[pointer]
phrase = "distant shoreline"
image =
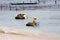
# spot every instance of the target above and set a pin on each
(29, 7)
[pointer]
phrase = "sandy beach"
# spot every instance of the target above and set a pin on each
(4, 36)
(27, 36)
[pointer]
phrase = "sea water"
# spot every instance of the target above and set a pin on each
(49, 20)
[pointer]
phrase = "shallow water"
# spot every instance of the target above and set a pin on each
(49, 20)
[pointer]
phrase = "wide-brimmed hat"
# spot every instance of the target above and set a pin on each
(35, 17)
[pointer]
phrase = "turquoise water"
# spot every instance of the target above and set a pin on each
(49, 20)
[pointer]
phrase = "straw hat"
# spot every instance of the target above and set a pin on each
(35, 17)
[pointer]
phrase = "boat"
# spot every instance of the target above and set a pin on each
(23, 3)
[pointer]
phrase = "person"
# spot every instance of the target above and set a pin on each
(22, 16)
(25, 16)
(34, 21)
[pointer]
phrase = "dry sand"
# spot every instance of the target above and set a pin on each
(25, 35)
(15, 36)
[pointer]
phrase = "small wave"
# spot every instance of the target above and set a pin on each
(24, 32)
(18, 31)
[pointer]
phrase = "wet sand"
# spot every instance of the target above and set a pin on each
(27, 36)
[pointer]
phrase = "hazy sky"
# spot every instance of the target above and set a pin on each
(9, 1)
(23, 0)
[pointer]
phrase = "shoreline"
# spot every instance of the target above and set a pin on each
(7, 36)
(25, 35)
